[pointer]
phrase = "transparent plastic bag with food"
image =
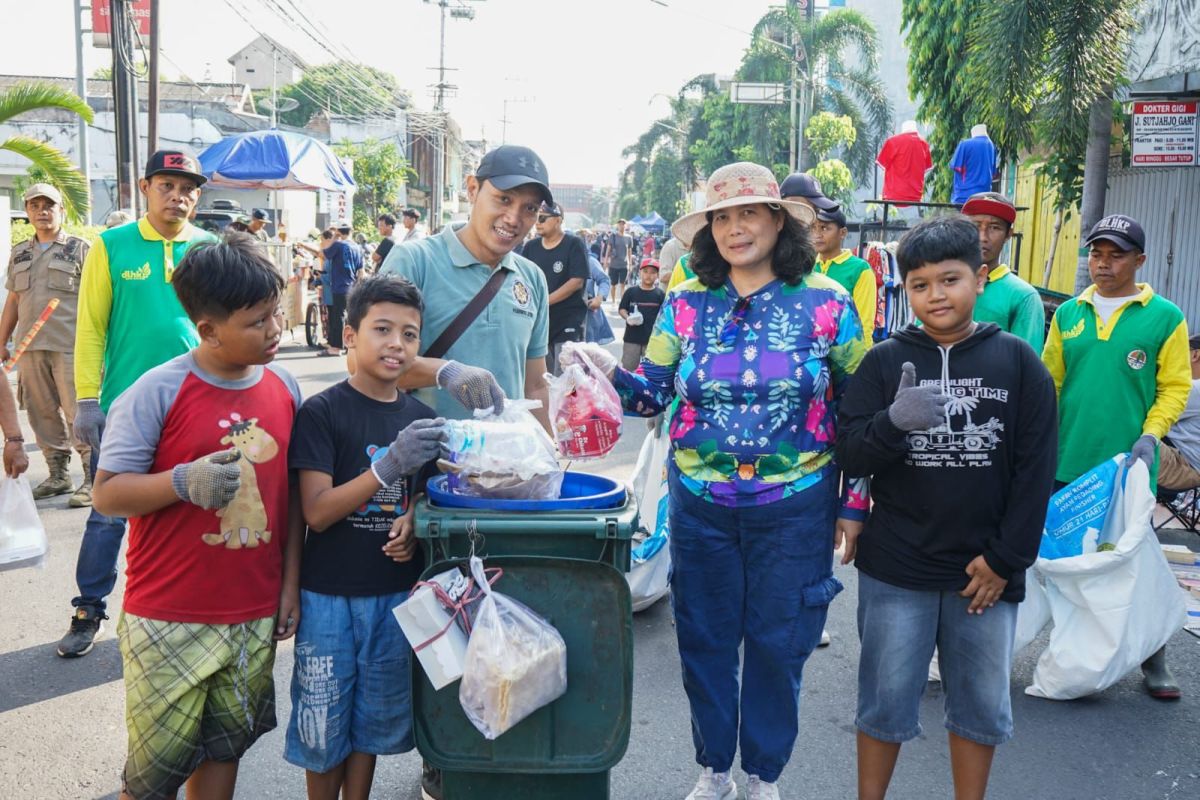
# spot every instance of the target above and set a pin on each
(516, 662)
(507, 455)
(585, 411)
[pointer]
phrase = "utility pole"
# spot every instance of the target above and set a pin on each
(152, 111)
(801, 121)
(125, 106)
(81, 90)
(458, 10)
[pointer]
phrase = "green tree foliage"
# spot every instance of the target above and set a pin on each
(379, 171)
(22, 231)
(664, 184)
(827, 132)
(839, 72)
(1037, 90)
(717, 132)
(936, 32)
(52, 165)
(345, 89)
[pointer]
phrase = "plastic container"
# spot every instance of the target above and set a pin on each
(579, 490)
(564, 528)
(563, 751)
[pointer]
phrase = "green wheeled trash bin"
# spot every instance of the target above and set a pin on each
(566, 561)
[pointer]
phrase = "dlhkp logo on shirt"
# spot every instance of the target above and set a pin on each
(137, 274)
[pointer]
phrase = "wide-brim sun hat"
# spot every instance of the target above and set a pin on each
(739, 184)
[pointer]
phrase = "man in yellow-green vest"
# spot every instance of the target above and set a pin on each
(129, 322)
(1120, 360)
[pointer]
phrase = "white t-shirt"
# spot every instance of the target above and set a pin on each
(1107, 306)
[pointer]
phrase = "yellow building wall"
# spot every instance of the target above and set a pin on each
(1036, 225)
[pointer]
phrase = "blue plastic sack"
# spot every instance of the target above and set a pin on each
(1075, 520)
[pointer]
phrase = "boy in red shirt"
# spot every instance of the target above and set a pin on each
(195, 454)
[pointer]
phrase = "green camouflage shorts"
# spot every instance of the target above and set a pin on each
(193, 693)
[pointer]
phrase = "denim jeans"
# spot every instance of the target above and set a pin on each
(760, 578)
(96, 566)
(899, 628)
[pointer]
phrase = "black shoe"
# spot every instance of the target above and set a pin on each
(86, 626)
(431, 782)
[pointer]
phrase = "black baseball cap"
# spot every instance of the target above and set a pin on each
(835, 215)
(550, 209)
(509, 166)
(1125, 232)
(799, 184)
(175, 162)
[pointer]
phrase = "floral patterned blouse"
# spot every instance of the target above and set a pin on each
(758, 381)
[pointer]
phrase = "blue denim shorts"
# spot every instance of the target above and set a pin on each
(898, 629)
(350, 683)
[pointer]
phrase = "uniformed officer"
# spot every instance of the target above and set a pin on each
(45, 267)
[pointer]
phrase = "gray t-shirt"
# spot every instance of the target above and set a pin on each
(619, 247)
(1185, 433)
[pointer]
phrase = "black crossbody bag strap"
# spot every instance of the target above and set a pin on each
(468, 315)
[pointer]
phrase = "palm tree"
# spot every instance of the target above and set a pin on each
(1042, 81)
(839, 74)
(48, 160)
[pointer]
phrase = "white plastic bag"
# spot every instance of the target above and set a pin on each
(507, 455)
(516, 662)
(22, 538)
(650, 566)
(1033, 614)
(1111, 610)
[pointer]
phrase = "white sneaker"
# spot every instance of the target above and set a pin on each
(714, 786)
(758, 789)
(825, 639)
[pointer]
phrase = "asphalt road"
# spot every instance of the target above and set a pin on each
(62, 732)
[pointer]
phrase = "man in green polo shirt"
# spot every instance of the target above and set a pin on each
(1120, 360)
(129, 322)
(503, 352)
(1007, 300)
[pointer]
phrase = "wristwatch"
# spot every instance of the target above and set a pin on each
(12, 439)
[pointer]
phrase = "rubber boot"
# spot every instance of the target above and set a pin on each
(83, 495)
(1160, 683)
(59, 481)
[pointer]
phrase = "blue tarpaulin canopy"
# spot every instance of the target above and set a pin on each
(274, 159)
(652, 222)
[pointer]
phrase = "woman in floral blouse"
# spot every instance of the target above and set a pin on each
(758, 350)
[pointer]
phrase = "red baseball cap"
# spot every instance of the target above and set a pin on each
(992, 203)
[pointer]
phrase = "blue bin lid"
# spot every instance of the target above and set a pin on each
(580, 490)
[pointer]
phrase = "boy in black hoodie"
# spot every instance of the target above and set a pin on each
(954, 422)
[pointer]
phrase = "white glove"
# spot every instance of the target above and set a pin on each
(600, 358)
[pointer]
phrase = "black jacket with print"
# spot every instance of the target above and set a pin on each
(977, 484)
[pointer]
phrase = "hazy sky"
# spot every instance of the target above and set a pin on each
(581, 75)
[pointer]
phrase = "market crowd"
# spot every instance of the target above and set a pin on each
(797, 428)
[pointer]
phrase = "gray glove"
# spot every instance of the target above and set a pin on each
(416, 445)
(89, 422)
(473, 387)
(916, 408)
(1144, 450)
(209, 482)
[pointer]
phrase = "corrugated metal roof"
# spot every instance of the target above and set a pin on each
(1166, 202)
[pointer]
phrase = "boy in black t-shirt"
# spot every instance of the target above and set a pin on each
(362, 450)
(639, 308)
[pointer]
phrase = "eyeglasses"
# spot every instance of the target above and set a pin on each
(543, 217)
(730, 330)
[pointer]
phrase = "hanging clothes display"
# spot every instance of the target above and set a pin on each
(893, 312)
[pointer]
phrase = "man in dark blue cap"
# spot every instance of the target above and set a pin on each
(1120, 360)
(501, 351)
(807, 189)
(257, 227)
